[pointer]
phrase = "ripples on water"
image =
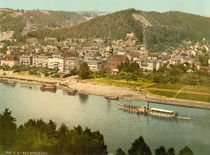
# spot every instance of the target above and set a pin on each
(119, 128)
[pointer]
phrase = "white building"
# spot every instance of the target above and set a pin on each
(26, 60)
(40, 61)
(95, 65)
(148, 65)
(56, 62)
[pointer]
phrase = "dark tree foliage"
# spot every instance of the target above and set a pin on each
(203, 57)
(7, 130)
(74, 71)
(180, 73)
(40, 136)
(120, 152)
(161, 151)
(139, 147)
(129, 67)
(84, 71)
(185, 151)
(171, 151)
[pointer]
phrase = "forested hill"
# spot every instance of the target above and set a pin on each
(24, 21)
(158, 31)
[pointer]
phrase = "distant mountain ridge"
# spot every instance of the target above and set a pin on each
(24, 21)
(157, 31)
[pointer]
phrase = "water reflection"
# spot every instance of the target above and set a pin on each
(109, 106)
(9, 84)
(83, 98)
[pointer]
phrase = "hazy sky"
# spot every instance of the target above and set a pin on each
(201, 7)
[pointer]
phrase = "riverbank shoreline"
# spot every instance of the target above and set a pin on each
(102, 90)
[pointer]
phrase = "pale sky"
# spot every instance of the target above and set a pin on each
(201, 7)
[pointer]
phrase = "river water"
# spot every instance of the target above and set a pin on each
(119, 128)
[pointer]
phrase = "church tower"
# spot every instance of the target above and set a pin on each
(109, 49)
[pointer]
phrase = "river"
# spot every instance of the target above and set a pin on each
(119, 128)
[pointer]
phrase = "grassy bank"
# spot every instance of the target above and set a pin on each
(176, 86)
(202, 89)
(180, 91)
(194, 97)
(121, 83)
(163, 93)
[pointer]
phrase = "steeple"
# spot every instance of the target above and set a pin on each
(109, 48)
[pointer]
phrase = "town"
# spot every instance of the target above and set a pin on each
(98, 54)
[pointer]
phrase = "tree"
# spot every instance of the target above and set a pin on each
(171, 151)
(120, 152)
(160, 151)
(139, 147)
(84, 71)
(185, 151)
(73, 71)
(7, 129)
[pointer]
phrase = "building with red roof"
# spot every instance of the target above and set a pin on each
(116, 60)
(9, 60)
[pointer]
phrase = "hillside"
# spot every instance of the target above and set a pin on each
(157, 31)
(22, 21)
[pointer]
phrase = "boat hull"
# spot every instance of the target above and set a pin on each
(48, 88)
(111, 98)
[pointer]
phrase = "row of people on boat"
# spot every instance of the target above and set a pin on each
(135, 108)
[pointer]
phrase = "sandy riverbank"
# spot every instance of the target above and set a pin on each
(102, 90)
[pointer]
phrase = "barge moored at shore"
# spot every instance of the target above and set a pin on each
(47, 87)
(72, 92)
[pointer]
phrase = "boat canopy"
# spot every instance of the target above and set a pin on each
(162, 110)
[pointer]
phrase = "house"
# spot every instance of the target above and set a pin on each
(71, 60)
(197, 65)
(56, 62)
(71, 63)
(207, 68)
(148, 65)
(95, 65)
(9, 60)
(26, 60)
(116, 60)
(40, 61)
(152, 56)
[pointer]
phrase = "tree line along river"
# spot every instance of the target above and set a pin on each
(119, 128)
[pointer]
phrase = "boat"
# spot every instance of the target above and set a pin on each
(111, 98)
(71, 92)
(161, 112)
(48, 87)
(138, 109)
(151, 111)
